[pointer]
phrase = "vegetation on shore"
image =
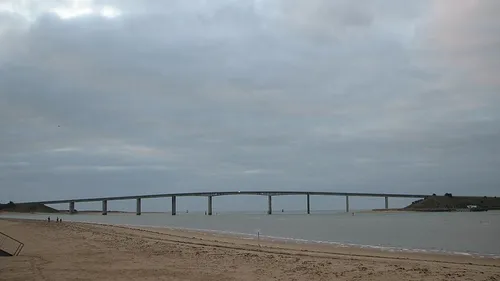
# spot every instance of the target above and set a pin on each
(448, 202)
(26, 208)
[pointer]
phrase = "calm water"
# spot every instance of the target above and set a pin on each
(467, 233)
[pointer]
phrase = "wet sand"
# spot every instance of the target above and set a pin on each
(80, 251)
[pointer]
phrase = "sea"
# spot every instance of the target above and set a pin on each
(460, 233)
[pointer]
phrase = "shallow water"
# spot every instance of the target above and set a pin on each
(464, 233)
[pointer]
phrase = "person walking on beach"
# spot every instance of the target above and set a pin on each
(48, 219)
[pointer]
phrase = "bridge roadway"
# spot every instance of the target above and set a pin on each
(210, 196)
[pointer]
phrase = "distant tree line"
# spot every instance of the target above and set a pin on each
(8, 205)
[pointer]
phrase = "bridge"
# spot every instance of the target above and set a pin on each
(211, 195)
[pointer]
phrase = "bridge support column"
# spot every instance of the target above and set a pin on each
(210, 201)
(174, 205)
(308, 204)
(347, 204)
(138, 206)
(104, 207)
(72, 207)
(269, 204)
(386, 202)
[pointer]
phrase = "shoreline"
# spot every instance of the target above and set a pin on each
(314, 246)
(286, 240)
(273, 242)
(76, 250)
(305, 242)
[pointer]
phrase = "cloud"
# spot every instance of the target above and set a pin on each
(382, 96)
(464, 36)
(64, 149)
(109, 168)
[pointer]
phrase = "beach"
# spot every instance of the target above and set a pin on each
(84, 251)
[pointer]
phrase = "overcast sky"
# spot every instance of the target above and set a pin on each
(121, 97)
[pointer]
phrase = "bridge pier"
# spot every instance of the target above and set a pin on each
(210, 205)
(386, 202)
(104, 207)
(174, 205)
(269, 204)
(347, 204)
(72, 207)
(308, 204)
(138, 206)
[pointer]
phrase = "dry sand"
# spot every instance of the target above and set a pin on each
(78, 251)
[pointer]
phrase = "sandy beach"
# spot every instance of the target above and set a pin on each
(80, 251)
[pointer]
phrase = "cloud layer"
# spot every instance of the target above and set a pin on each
(126, 97)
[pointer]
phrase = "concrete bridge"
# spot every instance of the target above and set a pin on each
(210, 196)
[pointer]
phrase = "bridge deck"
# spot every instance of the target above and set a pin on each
(226, 193)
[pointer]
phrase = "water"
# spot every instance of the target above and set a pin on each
(459, 233)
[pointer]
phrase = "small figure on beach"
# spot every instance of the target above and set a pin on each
(57, 219)
(48, 219)
(282, 210)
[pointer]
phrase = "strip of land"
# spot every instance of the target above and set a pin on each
(81, 251)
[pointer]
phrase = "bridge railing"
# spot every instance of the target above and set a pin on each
(10, 245)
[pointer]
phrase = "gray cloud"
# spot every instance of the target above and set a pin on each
(197, 95)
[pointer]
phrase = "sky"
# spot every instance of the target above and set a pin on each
(126, 97)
